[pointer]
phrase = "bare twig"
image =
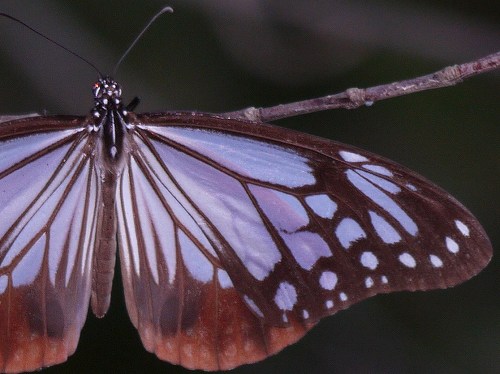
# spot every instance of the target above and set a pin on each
(355, 97)
(6, 118)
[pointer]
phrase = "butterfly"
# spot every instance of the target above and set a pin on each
(235, 237)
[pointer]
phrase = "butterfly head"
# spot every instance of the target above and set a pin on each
(107, 96)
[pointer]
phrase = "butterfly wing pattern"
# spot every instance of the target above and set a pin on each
(49, 193)
(290, 226)
(235, 238)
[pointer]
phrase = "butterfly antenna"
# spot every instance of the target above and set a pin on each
(51, 40)
(164, 10)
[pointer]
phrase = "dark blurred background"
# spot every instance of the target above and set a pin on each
(223, 55)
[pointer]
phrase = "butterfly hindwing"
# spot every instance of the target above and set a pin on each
(178, 294)
(49, 193)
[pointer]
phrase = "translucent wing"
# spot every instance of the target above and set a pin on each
(236, 238)
(48, 197)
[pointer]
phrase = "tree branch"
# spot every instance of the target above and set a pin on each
(355, 97)
(6, 118)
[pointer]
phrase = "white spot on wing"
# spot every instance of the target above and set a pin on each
(224, 280)
(352, 157)
(385, 231)
(411, 186)
(368, 282)
(451, 245)
(343, 296)
(284, 210)
(130, 229)
(3, 283)
(286, 296)
(407, 260)
(348, 231)
(435, 261)
(369, 260)
(329, 304)
(29, 267)
(381, 182)
(464, 229)
(305, 314)
(197, 264)
(306, 247)
(378, 169)
(322, 205)
(328, 280)
(384, 279)
(253, 306)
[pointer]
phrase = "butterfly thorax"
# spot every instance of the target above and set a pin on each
(110, 117)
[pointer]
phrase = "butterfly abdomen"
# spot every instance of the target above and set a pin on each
(105, 251)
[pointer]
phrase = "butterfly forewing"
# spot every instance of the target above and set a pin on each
(49, 192)
(237, 237)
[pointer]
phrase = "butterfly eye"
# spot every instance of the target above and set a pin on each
(96, 89)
